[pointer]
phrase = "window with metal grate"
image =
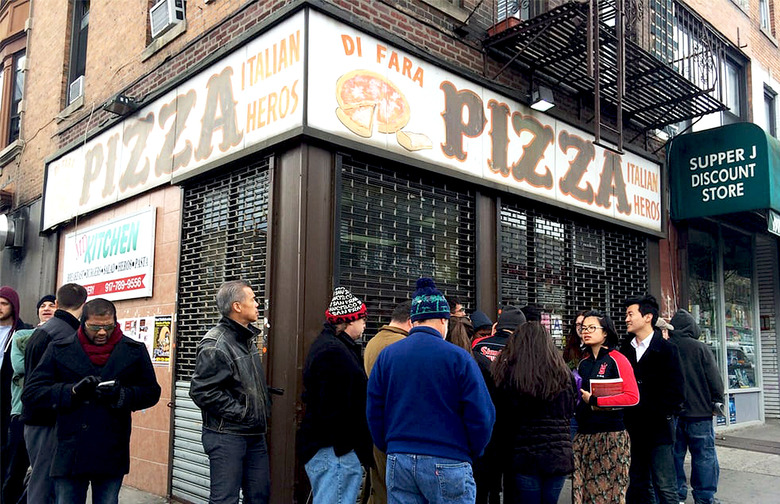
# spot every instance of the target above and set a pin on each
(564, 264)
(397, 225)
(224, 237)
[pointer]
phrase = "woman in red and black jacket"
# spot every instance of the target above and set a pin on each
(601, 445)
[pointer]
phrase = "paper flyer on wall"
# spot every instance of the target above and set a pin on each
(154, 332)
(161, 347)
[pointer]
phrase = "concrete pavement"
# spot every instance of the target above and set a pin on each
(749, 469)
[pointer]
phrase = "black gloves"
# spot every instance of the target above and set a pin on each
(85, 389)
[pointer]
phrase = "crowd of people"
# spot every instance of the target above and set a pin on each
(443, 407)
(439, 407)
(68, 386)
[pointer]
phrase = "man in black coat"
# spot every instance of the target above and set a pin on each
(94, 379)
(334, 439)
(650, 424)
(39, 434)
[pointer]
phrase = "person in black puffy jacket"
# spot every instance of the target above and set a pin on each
(534, 397)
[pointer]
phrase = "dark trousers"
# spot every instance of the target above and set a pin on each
(652, 475)
(41, 441)
(532, 488)
(105, 490)
(237, 463)
(17, 462)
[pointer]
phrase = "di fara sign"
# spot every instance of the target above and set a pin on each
(352, 89)
(114, 260)
(370, 92)
(724, 170)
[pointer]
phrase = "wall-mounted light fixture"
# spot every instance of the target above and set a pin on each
(11, 231)
(120, 105)
(541, 97)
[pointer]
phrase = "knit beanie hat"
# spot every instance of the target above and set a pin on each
(428, 302)
(480, 320)
(344, 307)
(509, 318)
(48, 297)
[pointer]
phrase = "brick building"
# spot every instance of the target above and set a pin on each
(168, 146)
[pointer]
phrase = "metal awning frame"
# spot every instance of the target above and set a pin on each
(547, 45)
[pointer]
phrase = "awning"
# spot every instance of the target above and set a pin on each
(724, 170)
(554, 44)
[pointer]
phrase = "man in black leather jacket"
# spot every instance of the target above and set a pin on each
(229, 387)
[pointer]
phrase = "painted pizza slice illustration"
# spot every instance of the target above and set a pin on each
(368, 100)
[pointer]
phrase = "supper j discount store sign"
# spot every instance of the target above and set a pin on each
(734, 168)
(357, 90)
(114, 260)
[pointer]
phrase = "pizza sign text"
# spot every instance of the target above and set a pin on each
(466, 116)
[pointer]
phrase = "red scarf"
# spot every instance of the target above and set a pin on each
(99, 354)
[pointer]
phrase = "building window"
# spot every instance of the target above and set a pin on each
(770, 109)
(734, 91)
(78, 49)
(764, 17)
(17, 95)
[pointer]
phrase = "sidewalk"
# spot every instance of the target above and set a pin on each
(749, 466)
(749, 469)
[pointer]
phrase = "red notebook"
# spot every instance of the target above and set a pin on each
(606, 387)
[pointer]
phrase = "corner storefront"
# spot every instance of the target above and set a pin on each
(725, 198)
(315, 154)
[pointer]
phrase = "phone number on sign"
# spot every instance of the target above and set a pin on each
(122, 285)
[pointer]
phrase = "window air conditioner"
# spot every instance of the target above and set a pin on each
(76, 89)
(164, 14)
(508, 9)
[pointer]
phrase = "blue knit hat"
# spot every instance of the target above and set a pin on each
(428, 302)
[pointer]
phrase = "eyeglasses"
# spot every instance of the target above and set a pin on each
(591, 328)
(578, 325)
(95, 328)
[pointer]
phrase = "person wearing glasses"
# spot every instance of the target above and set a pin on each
(601, 445)
(572, 354)
(95, 379)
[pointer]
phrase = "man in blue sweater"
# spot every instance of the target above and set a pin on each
(428, 408)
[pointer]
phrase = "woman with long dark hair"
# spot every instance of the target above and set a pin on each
(601, 445)
(534, 403)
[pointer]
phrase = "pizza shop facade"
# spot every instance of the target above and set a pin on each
(316, 155)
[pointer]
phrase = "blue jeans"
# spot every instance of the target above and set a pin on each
(698, 436)
(422, 479)
(74, 490)
(652, 475)
(532, 489)
(334, 480)
(237, 463)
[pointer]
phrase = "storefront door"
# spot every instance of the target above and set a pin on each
(224, 237)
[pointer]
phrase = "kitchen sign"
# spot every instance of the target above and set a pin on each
(724, 170)
(114, 260)
(355, 88)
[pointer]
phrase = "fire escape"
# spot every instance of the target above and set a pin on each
(633, 61)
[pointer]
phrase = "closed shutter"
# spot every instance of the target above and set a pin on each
(397, 225)
(564, 264)
(766, 266)
(224, 237)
